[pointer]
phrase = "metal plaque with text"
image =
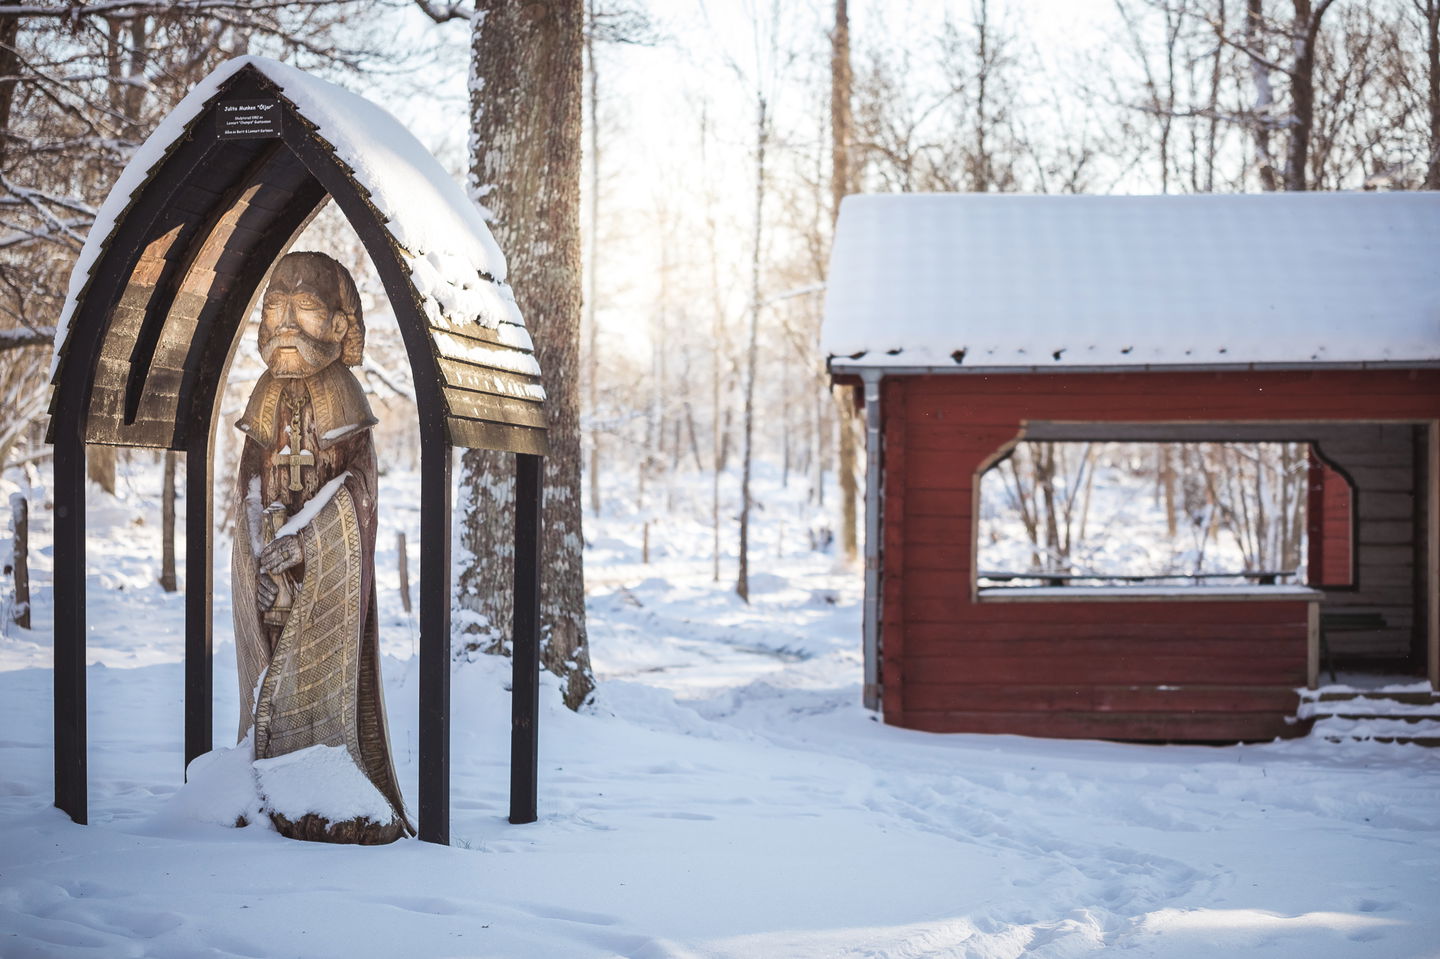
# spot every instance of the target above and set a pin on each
(248, 119)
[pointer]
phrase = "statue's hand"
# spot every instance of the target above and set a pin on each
(281, 554)
(265, 592)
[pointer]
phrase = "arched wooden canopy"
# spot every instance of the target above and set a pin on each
(157, 302)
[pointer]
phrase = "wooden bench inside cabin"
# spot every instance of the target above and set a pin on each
(1344, 621)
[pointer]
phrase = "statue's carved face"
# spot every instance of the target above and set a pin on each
(302, 323)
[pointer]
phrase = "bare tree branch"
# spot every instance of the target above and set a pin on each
(18, 339)
(123, 9)
(444, 12)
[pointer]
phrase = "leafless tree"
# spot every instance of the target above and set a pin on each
(1161, 69)
(842, 183)
(752, 349)
(1307, 100)
(1259, 492)
(605, 23)
(1251, 495)
(526, 102)
(762, 75)
(1428, 14)
(1049, 486)
(973, 129)
(979, 62)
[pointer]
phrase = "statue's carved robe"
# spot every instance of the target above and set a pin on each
(316, 678)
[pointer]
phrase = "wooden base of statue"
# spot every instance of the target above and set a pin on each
(358, 832)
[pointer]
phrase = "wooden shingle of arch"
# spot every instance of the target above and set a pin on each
(156, 306)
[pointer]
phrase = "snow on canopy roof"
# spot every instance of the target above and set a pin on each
(452, 256)
(985, 280)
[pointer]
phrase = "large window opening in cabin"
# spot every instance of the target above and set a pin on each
(1149, 513)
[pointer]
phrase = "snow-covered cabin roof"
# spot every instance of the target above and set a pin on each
(213, 207)
(966, 281)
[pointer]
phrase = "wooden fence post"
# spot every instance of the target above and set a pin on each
(404, 570)
(20, 562)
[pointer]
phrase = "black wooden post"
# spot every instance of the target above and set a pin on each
(71, 793)
(199, 647)
(434, 633)
(525, 661)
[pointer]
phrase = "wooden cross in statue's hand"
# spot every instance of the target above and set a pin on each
(298, 456)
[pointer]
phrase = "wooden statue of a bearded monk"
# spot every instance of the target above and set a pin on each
(304, 560)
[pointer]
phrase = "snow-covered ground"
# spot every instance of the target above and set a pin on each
(725, 796)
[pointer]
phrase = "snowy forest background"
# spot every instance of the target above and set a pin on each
(717, 141)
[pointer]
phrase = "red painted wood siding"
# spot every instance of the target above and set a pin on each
(1142, 670)
(1330, 526)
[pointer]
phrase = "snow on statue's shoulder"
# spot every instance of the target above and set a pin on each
(964, 281)
(307, 513)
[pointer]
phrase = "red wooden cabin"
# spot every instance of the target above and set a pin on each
(967, 323)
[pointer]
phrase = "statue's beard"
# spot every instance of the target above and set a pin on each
(294, 354)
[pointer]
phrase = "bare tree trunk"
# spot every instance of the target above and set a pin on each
(126, 96)
(1212, 131)
(1298, 479)
(525, 103)
(818, 495)
(643, 507)
(717, 338)
(1045, 475)
(1306, 28)
(653, 457)
(1086, 495)
(134, 92)
(100, 467)
(1262, 519)
(1167, 486)
(752, 349)
(1264, 95)
(1429, 11)
(1286, 511)
(841, 84)
(840, 185)
(1021, 489)
(1159, 92)
(660, 374)
(785, 452)
(9, 70)
(592, 353)
(717, 449)
(167, 525)
(694, 435)
(980, 170)
(715, 480)
(1174, 23)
